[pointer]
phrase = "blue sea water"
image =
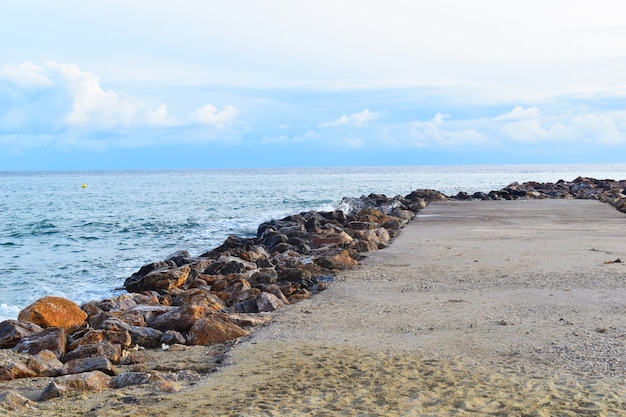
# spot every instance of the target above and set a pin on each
(58, 238)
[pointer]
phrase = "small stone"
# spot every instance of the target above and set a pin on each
(130, 378)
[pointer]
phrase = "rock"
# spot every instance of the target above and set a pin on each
(147, 337)
(264, 276)
(122, 302)
(126, 317)
(45, 363)
(336, 259)
(68, 384)
(118, 337)
(267, 302)
(172, 337)
(210, 330)
(225, 265)
(341, 239)
(112, 352)
(12, 331)
(180, 320)
(180, 257)
(159, 280)
(55, 312)
(16, 370)
(12, 401)
(81, 365)
(197, 296)
(52, 339)
(130, 378)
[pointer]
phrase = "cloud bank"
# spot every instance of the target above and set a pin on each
(54, 98)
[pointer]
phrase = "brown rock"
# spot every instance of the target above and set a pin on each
(52, 339)
(55, 312)
(96, 363)
(12, 401)
(88, 381)
(159, 280)
(210, 330)
(12, 331)
(16, 370)
(112, 352)
(121, 338)
(267, 302)
(180, 320)
(336, 259)
(45, 363)
(196, 296)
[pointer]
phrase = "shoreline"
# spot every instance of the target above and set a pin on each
(301, 315)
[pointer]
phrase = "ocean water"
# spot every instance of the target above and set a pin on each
(58, 238)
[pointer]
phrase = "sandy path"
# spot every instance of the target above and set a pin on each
(478, 308)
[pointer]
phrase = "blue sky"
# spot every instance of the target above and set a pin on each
(202, 84)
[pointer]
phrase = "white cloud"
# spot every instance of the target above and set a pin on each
(357, 119)
(75, 99)
(438, 132)
(307, 136)
(520, 113)
(210, 115)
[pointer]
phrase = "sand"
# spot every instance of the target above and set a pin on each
(478, 308)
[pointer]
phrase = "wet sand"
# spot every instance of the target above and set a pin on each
(478, 308)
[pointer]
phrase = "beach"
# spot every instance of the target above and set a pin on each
(477, 308)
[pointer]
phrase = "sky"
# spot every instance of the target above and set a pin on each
(285, 83)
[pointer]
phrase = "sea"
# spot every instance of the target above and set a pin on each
(80, 234)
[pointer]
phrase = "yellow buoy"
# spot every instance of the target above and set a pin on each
(84, 185)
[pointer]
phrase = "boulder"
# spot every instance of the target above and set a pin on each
(45, 363)
(159, 280)
(336, 259)
(267, 302)
(12, 331)
(197, 296)
(145, 336)
(73, 384)
(16, 370)
(172, 337)
(180, 320)
(112, 352)
(55, 312)
(225, 265)
(209, 330)
(52, 339)
(95, 363)
(119, 337)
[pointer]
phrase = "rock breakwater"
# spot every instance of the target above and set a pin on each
(220, 295)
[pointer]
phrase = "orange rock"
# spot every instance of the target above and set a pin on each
(210, 330)
(55, 312)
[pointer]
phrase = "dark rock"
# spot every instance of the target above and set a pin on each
(95, 363)
(118, 337)
(52, 339)
(112, 352)
(180, 320)
(172, 337)
(159, 280)
(12, 331)
(225, 265)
